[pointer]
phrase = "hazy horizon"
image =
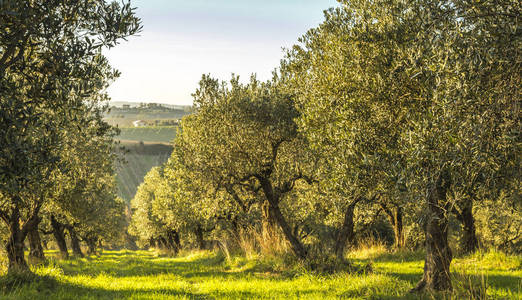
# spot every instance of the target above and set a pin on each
(181, 41)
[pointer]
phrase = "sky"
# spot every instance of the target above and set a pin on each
(183, 39)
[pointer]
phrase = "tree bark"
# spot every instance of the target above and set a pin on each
(438, 253)
(59, 236)
(273, 199)
(198, 231)
(91, 245)
(177, 240)
(36, 252)
(15, 245)
(152, 242)
(396, 219)
(398, 228)
(469, 241)
(268, 223)
(75, 242)
(172, 242)
(345, 233)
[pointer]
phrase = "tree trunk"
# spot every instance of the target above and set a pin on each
(398, 228)
(198, 231)
(172, 242)
(36, 252)
(268, 222)
(177, 240)
(396, 219)
(75, 242)
(162, 243)
(469, 241)
(152, 243)
(59, 236)
(91, 245)
(273, 200)
(438, 253)
(346, 232)
(15, 245)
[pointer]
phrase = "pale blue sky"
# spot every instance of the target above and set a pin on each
(182, 39)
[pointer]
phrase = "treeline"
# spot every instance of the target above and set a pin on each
(393, 119)
(56, 152)
(147, 108)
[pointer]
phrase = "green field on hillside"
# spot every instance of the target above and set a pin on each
(148, 134)
(139, 159)
(209, 275)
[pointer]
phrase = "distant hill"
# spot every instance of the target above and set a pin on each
(123, 114)
(120, 104)
(140, 158)
(144, 147)
(164, 134)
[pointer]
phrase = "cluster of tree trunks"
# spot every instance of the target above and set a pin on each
(18, 233)
(170, 242)
(395, 215)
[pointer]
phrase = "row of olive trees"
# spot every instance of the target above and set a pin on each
(55, 161)
(406, 109)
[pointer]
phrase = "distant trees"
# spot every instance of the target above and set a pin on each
(52, 77)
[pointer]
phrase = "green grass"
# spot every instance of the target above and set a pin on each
(205, 275)
(165, 134)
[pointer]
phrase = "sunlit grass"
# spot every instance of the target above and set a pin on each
(207, 275)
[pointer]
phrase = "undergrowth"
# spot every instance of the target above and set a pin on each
(225, 275)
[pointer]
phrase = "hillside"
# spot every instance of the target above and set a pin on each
(139, 159)
(144, 147)
(151, 113)
(164, 134)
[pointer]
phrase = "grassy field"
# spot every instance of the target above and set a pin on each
(148, 134)
(140, 158)
(207, 275)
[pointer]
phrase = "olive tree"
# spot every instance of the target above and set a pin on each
(413, 100)
(244, 136)
(49, 57)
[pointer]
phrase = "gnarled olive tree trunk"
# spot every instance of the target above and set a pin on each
(273, 199)
(75, 242)
(59, 236)
(346, 233)
(200, 241)
(469, 242)
(92, 243)
(395, 215)
(15, 245)
(36, 252)
(438, 253)
(268, 223)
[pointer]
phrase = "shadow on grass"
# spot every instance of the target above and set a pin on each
(41, 287)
